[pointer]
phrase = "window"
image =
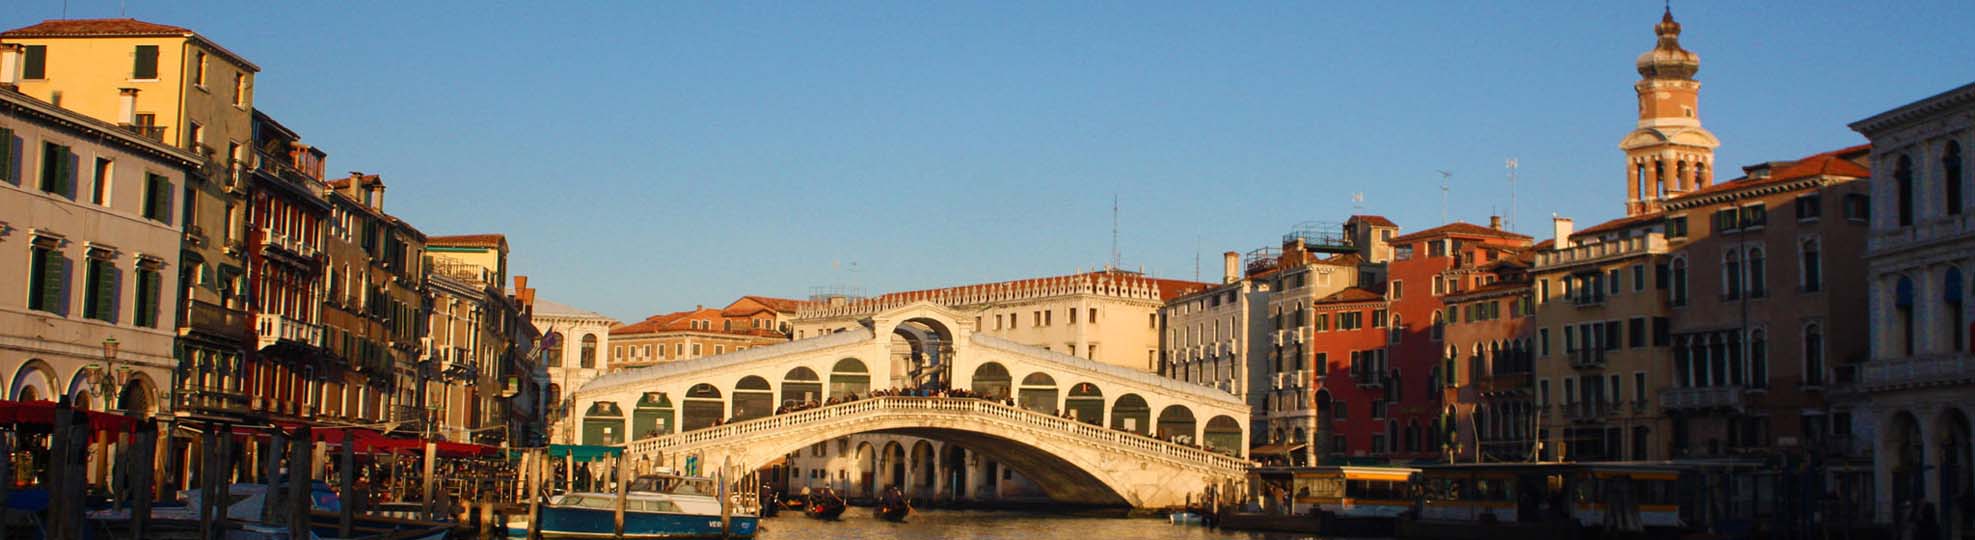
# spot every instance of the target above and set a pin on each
(588, 360)
(57, 170)
(1758, 282)
(1813, 355)
(1725, 220)
(1731, 275)
(1903, 306)
(35, 65)
(1378, 318)
(1951, 291)
(1811, 273)
(1543, 341)
(1638, 277)
(1617, 390)
(1951, 177)
(1350, 320)
(149, 283)
(1612, 282)
(1903, 184)
(1858, 207)
(157, 198)
(1639, 386)
(1755, 216)
(1093, 316)
(99, 192)
(1662, 333)
(1759, 359)
(100, 289)
(1636, 332)
(1322, 322)
(199, 69)
(9, 158)
(145, 63)
(1439, 285)
(1809, 207)
(1676, 227)
(239, 89)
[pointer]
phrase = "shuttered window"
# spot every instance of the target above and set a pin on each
(36, 64)
(147, 298)
(157, 198)
(100, 294)
(47, 287)
(57, 169)
(8, 157)
(146, 63)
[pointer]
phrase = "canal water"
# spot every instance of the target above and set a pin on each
(859, 524)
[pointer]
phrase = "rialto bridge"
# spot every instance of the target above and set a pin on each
(1085, 432)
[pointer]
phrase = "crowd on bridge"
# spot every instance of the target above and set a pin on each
(929, 392)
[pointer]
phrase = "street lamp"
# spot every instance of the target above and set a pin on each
(108, 379)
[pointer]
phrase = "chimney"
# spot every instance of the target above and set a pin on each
(1495, 222)
(1560, 229)
(11, 64)
(520, 283)
(127, 106)
(1230, 267)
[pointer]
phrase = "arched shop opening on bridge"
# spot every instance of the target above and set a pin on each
(922, 354)
(800, 387)
(703, 408)
(991, 381)
(849, 379)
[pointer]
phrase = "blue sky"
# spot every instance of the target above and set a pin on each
(647, 157)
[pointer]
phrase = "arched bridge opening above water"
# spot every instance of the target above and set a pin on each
(1087, 432)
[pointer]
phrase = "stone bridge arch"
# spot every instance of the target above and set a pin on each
(1073, 462)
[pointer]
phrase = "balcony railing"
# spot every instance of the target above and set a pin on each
(1706, 397)
(1592, 357)
(275, 328)
(216, 319)
(1924, 232)
(212, 399)
(1923, 371)
(1508, 382)
(1601, 251)
(297, 246)
(155, 133)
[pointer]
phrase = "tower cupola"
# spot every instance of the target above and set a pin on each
(1667, 60)
(1668, 153)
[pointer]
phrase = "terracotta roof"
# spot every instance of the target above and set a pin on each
(1344, 259)
(1374, 220)
(1620, 224)
(469, 240)
(1834, 163)
(682, 321)
(1543, 245)
(1458, 228)
(786, 305)
(63, 28)
(546, 307)
(96, 27)
(1353, 294)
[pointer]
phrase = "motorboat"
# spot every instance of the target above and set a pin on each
(244, 506)
(659, 506)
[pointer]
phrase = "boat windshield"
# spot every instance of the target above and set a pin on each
(677, 485)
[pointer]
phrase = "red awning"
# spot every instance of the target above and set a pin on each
(43, 412)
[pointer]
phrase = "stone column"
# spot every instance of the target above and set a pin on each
(1882, 468)
(940, 474)
(1632, 168)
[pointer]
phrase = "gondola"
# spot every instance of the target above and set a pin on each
(893, 506)
(825, 504)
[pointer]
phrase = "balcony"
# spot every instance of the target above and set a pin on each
(1504, 383)
(1918, 372)
(1925, 232)
(212, 399)
(293, 245)
(275, 328)
(1290, 380)
(1702, 398)
(216, 319)
(1597, 252)
(155, 133)
(1587, 358)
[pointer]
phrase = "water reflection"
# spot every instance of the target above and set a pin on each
(859, 524)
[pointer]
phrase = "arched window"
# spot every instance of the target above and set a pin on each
(1758, 284)
(1731, 275)
(1811, 271)
(1951, 295)
(1903, 308)
(1680, 282)
(1759, 359)
(1951, 177)
(1701, 173)
(1439, 326)
(1903, 182)
(555, 349)
(589, 351)
(1813, 355)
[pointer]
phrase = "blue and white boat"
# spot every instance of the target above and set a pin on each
(656, 507)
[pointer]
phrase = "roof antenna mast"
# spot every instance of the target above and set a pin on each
(1114, 232)
(1511, 221)
(1444, 176)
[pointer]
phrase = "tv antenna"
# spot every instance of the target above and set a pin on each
(1444, 177)
(1358, 201)
(1509, 223)
(1114, 231)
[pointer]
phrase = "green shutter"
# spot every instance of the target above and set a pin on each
(6, 155)
(37, 279)
(71, 165)
(54, 283)
(147, 63)
(147, 299)
(93, 277)
(51, 166)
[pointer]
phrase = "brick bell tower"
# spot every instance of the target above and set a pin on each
(1669, 153)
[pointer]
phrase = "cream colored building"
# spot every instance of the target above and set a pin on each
(573, 328)
(86, 271)
(1110, 316)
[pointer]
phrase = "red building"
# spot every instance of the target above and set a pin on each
(284, 268)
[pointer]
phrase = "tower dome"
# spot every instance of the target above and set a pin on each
(1667, 60)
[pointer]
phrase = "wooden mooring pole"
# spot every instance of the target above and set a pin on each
(301, 450)
(346, 472)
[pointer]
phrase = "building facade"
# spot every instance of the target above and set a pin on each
(478, 366)
(564, 329)
(1920, 250)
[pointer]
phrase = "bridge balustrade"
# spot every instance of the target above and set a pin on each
(963, 406)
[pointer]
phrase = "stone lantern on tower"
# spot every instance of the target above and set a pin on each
(1669, 153)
